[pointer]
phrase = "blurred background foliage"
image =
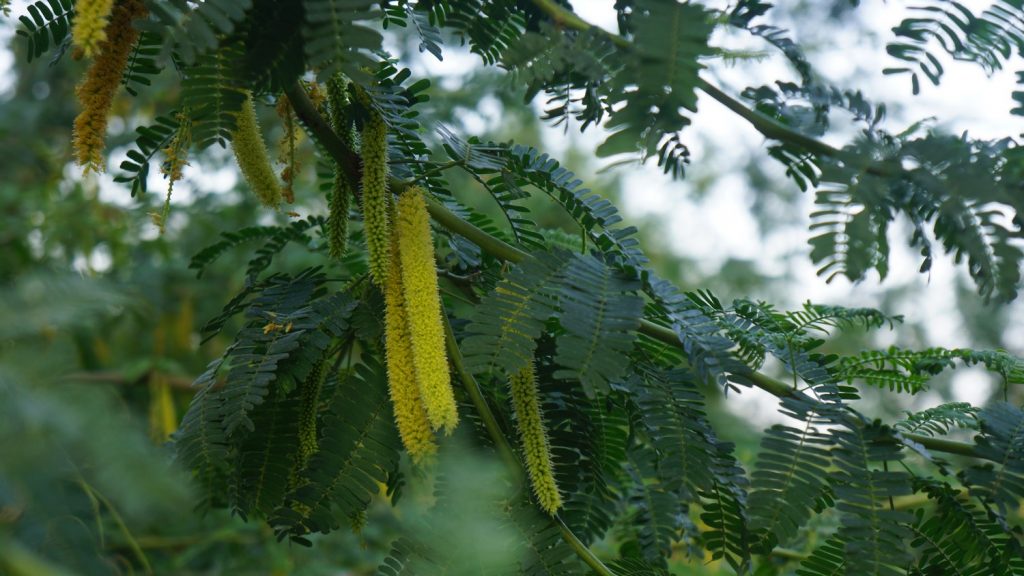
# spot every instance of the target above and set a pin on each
(100, 319)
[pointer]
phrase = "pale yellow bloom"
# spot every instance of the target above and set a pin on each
(251, 154)
(410, 415)
(90, 25)
(97, 90)
(533, 438)
(423, 308)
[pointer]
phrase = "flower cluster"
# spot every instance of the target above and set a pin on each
(410, 414)
(251, 154)
(534, 439)
(423, 309)
(97, 90)
(90, 25)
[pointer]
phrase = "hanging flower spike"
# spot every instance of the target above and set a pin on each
(375, 189)
(90, 25)
(423, 305)
(533, 438)
(341, 191)
(311, 387)
(97, 90)
(251, 155)
(410, 414)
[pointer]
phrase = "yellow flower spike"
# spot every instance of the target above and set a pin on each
(97, 90)
(410, 415)
(375, 190)
(534, 439)
(90, 25)
(251, 154)
(423, 305)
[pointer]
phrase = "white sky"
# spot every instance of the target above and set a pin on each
(721, 227)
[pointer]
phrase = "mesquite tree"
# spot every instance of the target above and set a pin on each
(426, 323)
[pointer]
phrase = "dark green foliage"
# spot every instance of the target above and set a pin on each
(487, 162)
(706, 348)
(539, 58)
(791, 473)
(806, 107)
(489, 27)
(600, 314)
(357, 449)
(656, 518)
(293, 426)
(671, 415)
(596, 215)
(150, 141)
(669, 39)
(958, 537)
(943, 195)
(191, 31)
(142, 63)
(46, 26)
(634, 567)
(273, 44)
(873, 535)
(1000, 482)
(266, 456)
(544, 553)
(910, 370)
(250, 421)
(212, 94)
(939, 420)
(276, 237)
(987, 39)
(826, 560)
(501, 337)
(336, 38)
(588, 444)
(742, 16)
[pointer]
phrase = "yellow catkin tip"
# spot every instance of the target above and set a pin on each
(97, 90)
(375, 190)
(251, 154)
(410, 415)
(423, 306)
(534, 439)
(90, 25)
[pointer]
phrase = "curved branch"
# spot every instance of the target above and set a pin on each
(504, 251)
(767, 126)
(322, 133)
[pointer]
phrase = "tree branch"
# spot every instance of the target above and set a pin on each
(498, 248)
(767, 126)
(322, 133)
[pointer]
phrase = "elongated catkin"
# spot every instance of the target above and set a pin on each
(310, 389)
(341, 191)
(410, 415)
(89, 30)
(533, 438)
(97, 90)
(375, 190)
(423, 307)
(251, 155)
